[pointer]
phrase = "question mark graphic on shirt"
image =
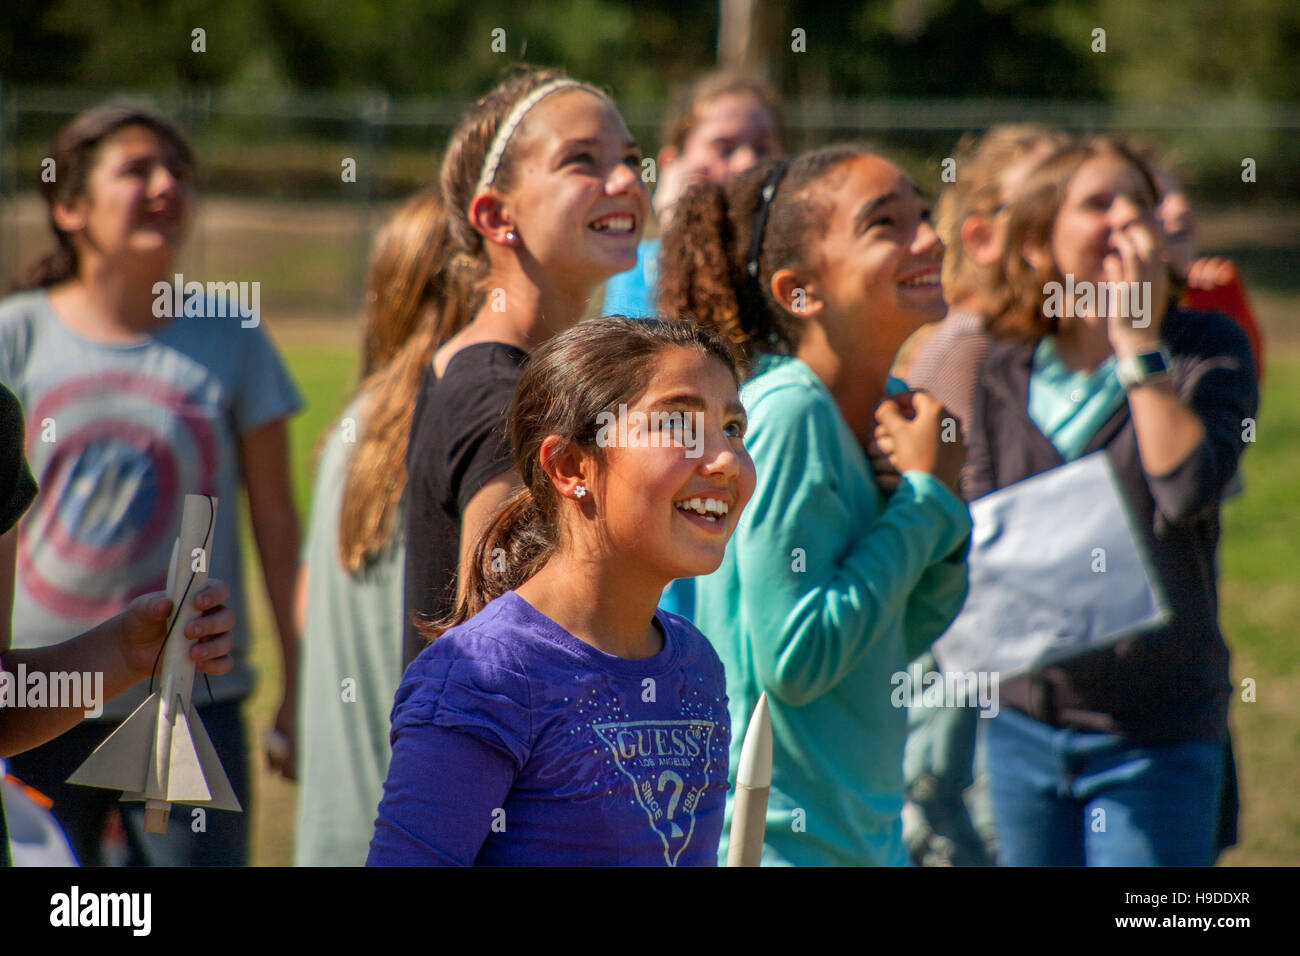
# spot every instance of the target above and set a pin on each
(680, 784)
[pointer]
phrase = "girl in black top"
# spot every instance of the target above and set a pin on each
(544, 201)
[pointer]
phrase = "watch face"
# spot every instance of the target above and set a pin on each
(1136, 369)
(1151, 363)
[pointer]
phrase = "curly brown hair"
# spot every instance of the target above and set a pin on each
(704, 255)
(980, 162)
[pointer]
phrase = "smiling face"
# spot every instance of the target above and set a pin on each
(877, 266)
(137, 202)
(577, 202)
(732, 133)
(670, 501)
(1105, 197)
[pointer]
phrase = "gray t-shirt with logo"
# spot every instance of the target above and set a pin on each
(117, 435)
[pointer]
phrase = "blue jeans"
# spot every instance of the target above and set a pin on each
(1071, 798)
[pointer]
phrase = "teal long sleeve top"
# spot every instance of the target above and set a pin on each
(826, 590)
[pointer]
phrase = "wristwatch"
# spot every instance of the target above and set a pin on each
(1143, 367)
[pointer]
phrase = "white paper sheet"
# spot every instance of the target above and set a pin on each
(1037, 594)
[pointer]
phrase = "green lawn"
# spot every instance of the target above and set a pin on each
(1261, 602)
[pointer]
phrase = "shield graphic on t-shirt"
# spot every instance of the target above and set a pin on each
(668, 762)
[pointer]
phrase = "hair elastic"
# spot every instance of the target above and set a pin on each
(507, 128)
(773, 180)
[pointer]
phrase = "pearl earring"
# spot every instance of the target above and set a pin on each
(579, 491)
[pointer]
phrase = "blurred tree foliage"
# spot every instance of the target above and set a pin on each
(1156, 50)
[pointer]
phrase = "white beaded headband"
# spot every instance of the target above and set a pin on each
(511, 123)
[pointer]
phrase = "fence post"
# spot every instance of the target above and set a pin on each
(373, 117)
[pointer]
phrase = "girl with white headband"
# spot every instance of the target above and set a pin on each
(544, 201)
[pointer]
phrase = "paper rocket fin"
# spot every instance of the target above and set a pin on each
(222, 793)
(122, 761)
(185, 783)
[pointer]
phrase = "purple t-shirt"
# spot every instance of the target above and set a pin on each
(514, 742)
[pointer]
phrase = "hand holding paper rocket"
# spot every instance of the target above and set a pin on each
(162, 754)
(753, 783)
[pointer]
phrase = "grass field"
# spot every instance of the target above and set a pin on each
(1260, 597)
(307, 255)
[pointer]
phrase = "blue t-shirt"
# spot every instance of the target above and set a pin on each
(633, 293)
(514, 742)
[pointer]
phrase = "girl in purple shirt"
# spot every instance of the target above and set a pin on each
(560, 718)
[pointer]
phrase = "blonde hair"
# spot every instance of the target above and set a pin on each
(980, 162)
(1021, 286)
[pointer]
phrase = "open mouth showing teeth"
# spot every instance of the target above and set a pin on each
(710, 508)
(619, 225)
(926, 281)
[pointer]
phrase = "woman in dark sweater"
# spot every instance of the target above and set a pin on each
(1114, 757)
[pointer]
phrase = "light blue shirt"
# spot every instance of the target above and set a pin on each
(633, 293)
(827, 589)
(1068, 406)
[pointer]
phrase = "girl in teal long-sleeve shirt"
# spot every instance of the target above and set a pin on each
(819, 270)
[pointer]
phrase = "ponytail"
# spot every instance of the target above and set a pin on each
(57, 265)
(515, 546)
(566, 386)
(376, 480)
(697, 264)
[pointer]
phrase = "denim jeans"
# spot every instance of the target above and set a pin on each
(1071, 798)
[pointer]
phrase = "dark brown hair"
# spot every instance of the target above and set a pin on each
(704, 255)
(454, 269)
(75, 152)
(1022, 287)
(567, 383)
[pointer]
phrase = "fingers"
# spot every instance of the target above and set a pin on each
(927, 406)
(889, 414)
(882, 443)
(1145, 239)
(1127, 255)
(214, 655)
(1211, 273)
(214, 622)
(215, 592)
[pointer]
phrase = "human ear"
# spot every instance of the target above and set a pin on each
(70, 216)
(488, 215)
(980, 240)
(566, 466)
(798, 294)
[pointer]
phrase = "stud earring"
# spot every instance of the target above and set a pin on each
(510, 237)
(579, 491)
